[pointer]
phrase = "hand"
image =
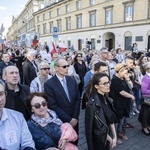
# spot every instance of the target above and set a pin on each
(62, 144)
(132, 97)
(73, 122)
(113, 144)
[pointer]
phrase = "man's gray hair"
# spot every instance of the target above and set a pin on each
(29, 53)
(101, 50)
(4, 69)
(56, 62)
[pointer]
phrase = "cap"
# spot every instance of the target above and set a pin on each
(119, 66)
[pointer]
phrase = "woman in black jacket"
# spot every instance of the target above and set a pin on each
(100, 115)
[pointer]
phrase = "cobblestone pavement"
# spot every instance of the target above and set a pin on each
(137, 140)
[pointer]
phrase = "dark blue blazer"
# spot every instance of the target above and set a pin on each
(58, 100)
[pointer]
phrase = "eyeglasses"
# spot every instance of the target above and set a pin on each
(45, 69)
(105, 52)
(38, 105)
(105, 83)
(65, 66)
(2, 93)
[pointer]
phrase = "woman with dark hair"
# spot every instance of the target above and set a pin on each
(80, 69)
(142, 60)
(48, 131)
(100, 115)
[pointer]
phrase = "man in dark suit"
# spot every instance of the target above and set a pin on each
(66, 105)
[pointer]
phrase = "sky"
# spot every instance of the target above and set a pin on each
(9, 8)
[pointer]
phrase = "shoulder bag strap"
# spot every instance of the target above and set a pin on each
(45, 131)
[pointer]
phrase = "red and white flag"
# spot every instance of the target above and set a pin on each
(62, 47)
(52, 48)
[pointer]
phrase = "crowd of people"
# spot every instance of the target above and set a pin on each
(41, 94)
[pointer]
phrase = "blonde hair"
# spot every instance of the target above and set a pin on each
(43, 64)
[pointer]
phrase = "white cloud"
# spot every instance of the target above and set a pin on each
(2, 8)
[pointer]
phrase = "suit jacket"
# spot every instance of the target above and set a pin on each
(58, 100)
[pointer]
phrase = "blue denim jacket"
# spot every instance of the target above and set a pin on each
(41, 139)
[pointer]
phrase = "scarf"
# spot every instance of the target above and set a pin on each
(52, 118)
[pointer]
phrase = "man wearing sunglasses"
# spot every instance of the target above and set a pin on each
(63, 94)
(14, 132)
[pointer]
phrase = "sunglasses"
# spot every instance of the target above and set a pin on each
(45, 69)
(39, 57)
(79, 56)
(38, 105)
(65, 66)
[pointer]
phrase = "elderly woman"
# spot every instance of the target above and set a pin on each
(37, 84)
(121, 93)
(144, 116)
(48, 131)
(100, 115)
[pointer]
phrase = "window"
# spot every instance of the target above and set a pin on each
(68, 23)
(78, 5)
(52, 1)
(92, 18)
(58, 11)
(51, 27)
(38, 28)
(129, 13)
(44, 28)
(43, 16)
(108, 16)
(92, 2)
(67, 8)
(79, 21)
(38, 18)
(50, 14)
(59, 25)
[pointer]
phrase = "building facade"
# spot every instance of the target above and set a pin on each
(95, 23)
(23, 25)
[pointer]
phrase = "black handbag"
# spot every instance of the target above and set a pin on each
(146, 100)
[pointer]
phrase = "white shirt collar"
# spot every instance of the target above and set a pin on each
(59, 78)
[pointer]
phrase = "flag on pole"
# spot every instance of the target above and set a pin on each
(52, 48)
(62, 47)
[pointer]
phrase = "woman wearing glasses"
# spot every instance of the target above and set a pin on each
(100, 115)
(144, 116)
(37, 84)
(48, 131)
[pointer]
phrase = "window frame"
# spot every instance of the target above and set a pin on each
(90, 19)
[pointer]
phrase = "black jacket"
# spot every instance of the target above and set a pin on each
(29, 72)
(96, 125)
(21, 95)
